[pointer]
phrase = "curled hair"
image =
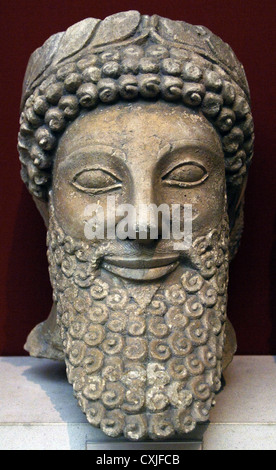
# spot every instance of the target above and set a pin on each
(156, 59)
(128, 74)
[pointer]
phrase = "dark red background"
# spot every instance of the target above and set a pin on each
(249, 27)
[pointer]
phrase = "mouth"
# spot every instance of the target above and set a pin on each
(141, 268)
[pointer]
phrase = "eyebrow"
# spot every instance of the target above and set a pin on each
(89, 146)
(86, 138)
(187, 144)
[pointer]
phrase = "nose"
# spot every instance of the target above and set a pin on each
(147, 224)
(144, 222)
(146, 229)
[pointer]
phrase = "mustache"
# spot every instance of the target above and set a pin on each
(97, 249)
(132, 248)
(127, 255)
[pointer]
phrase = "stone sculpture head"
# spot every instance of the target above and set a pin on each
(148, 111)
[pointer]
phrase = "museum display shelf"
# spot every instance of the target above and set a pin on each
(38, 410)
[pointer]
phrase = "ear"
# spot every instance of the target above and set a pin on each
(43, 209)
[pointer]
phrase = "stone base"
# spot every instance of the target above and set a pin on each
(38, 410)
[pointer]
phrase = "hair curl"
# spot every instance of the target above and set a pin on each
(149, 72)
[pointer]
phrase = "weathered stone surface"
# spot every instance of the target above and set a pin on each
(39, 61)
(75, 38)
(116, 27)
(144, 110)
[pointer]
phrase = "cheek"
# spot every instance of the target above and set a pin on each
(207, 201)
(73, 208)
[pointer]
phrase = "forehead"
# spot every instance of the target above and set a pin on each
(128, 125)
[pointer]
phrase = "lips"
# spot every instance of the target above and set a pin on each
(142, 268)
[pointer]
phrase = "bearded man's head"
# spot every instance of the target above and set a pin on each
(141, 111)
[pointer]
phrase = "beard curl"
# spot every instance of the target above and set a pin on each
(141, 371)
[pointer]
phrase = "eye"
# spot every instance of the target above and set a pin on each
(186, 175)
(96, 181)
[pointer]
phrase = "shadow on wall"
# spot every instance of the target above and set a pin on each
(28, 290)
(51, 378)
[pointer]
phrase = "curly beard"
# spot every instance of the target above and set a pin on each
(142, 365)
